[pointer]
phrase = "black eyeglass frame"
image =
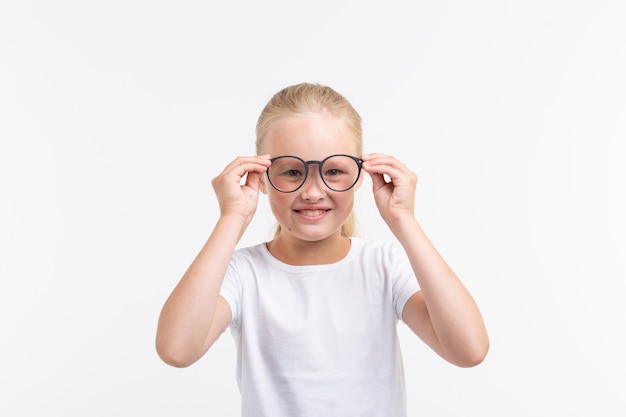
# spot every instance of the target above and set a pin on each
(306, 164)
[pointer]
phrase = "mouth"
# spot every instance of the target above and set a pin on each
(312, 213)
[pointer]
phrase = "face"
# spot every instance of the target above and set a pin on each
(313, 212)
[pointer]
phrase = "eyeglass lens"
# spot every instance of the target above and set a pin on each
(339, 173)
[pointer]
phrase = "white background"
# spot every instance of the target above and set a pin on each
(116, 115)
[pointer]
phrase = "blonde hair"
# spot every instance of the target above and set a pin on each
(311, 98)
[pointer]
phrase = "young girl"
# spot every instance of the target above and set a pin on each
(314, 311)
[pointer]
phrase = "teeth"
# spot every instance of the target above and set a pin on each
(312, 213)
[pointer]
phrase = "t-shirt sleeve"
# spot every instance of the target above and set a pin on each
(231, 291)
(404, 282)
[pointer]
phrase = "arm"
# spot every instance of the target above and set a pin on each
(443, 313)
(194, 315)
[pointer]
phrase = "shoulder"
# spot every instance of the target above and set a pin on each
(249, 258)
(253, 251)
(381, 250)
(380, 257)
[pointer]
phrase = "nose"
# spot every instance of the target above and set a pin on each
(313, 188)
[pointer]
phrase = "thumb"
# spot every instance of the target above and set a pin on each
(378, 181)
(253, 180)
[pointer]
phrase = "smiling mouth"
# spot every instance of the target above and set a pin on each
(312, 213)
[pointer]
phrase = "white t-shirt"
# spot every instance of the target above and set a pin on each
(320, 340)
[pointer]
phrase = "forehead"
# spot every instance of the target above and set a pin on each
(310, 136)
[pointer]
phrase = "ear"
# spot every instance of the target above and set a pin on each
(262, 183)
(359, 182)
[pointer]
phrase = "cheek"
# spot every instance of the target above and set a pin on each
(279, 202)
(347, 199)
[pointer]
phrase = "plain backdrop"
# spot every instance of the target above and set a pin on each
(116, 115)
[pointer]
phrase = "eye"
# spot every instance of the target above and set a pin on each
(292, 173)
(333, 172)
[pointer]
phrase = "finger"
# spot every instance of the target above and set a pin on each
(253, 180)
(391, 168)
(244, 165)
(388, 172)
(382, 160)
(378, 180)
(379, 158)
(242, 160)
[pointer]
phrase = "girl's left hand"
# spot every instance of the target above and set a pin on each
(393, 186)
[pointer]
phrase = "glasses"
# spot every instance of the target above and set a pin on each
(338, 172)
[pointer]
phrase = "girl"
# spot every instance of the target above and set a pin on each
(314, 311)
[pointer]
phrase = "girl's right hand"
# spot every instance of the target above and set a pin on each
(235, 197)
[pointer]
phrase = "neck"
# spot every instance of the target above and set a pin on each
(301, 252)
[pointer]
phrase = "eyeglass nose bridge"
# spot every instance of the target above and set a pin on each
(307, 171)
